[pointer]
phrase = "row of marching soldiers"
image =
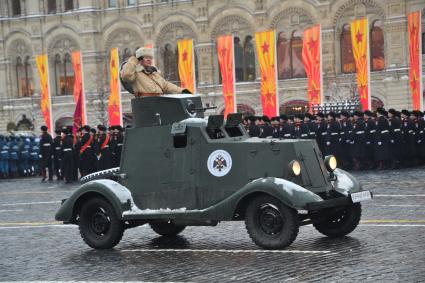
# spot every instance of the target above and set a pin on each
(89, 150)
(360, 140)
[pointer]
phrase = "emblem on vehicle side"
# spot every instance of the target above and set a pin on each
(219, 163)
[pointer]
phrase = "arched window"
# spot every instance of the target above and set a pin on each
(297, 67)
(29, 89)
(58, 73)
(283, 62)
(249, 59)
(69, 5)
(347, 58)
(16, 7)
(51, 6)
(239, 62)
(170, 57)
(20, 77)
(69, 75)
(377, 47)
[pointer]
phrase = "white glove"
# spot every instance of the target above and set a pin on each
(379, 143)
(328, 143)
(352, 142)
(347, 141)
(41, 156)
(419, 141)
(367, 142)
(392, 141)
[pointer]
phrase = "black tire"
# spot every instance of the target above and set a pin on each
(341, 223)
(167, 229)
(99, 225)
(271, 224)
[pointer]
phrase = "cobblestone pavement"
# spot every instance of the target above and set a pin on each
(389, 245)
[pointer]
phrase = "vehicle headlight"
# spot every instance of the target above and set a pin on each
(330, 163)
(295, 168)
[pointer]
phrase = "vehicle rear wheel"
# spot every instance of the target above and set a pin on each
(271, 224)
(167, 229)
(341, 223)
(99, 225)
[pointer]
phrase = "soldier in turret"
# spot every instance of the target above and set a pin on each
(144, 78)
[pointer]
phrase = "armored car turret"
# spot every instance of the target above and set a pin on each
(181, 169)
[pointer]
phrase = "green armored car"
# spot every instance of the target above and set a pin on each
(179, 169)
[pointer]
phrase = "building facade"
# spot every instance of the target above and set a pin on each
(58, 27)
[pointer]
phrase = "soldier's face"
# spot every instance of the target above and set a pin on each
(146, 61)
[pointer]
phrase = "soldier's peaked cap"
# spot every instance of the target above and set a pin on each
(144, 52)
(43, 128)
(344, 113)
(358, 113)
(309, 116)
(392, 111)
(86, 128)
(405, 112)
(368, 113)
(283, 117)
(381, 111)
(320, 114)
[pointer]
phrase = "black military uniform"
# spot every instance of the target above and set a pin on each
(345, 140)
(86, 154)
(370, 130)
(116, 144)
(308, 120)
(332, 136)
(419, 125)
(382, 141)
(68, 156)
(266, 129)
(301, 130)
(409, 144)
(57, 154)
(321, 131)
(46, 153)
(275, 127)
(254, 129)
(396, 138)
(102, 150)
(357, 140)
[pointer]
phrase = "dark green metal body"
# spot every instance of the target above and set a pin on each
(165, 173)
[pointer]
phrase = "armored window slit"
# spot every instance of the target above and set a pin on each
(180, 141)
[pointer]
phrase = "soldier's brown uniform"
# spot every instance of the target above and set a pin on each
(145, 83)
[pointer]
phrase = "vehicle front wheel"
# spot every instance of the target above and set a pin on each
(271, 224)
(341, 223)
(167, 229)
(99, 225)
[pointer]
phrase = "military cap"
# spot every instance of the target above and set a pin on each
(392, 111)
(381, 111)
(265, 118)
(64, 130)
(344, 113)
(309, 116)
(320, 114)
(119, 128)
(332, 114)
(283, 117)
(101, 128)
(93, 130)
(44, 128)
(405, 112)
(368, 113)
(57, 131)
(86, 128)
(358, 113)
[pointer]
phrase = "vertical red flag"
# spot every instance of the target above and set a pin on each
(80, 111)
(312, 60)
(186, 64)
(415, 60)
(360, 43)
(45, 101)
(265, 43)
(227, 71)
(114, 103)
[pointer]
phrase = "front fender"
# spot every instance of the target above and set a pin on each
(345, 183)
(291, 194)
(118, 195)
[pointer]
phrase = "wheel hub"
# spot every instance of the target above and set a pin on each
(270, 219)
(100, 222)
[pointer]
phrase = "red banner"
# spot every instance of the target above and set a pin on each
(227, 71)
(265, 43)
(114, 103)
(415, 60)
(45, 101)
(186, 64)
(312, 64)
(360, 43)
(79, 113)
